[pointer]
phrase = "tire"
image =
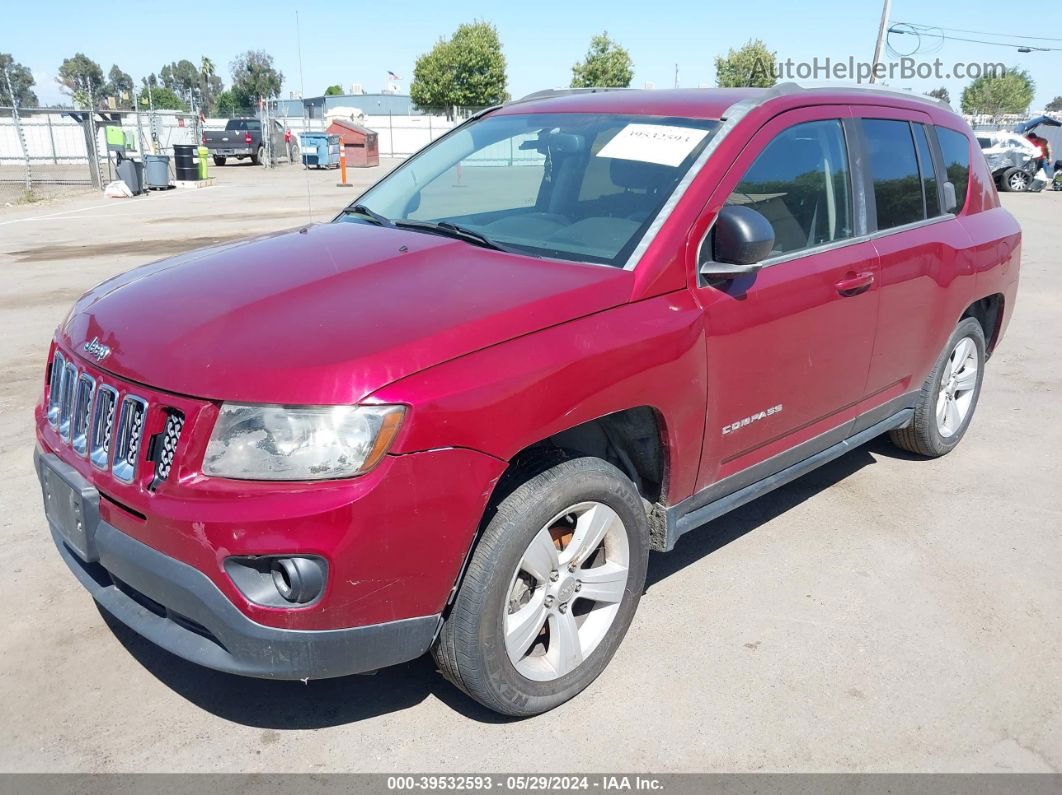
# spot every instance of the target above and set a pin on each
(218, 160)
(928, 434)
(258, 157)
(1015, 180)
(293, 153)
(473, 647)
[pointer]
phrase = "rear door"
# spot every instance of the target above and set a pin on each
(788, 348)
(923, 251)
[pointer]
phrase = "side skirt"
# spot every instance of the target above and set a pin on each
(691, 514)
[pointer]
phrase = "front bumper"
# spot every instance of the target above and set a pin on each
(179, 608)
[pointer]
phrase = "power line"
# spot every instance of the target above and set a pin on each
(979, 32)
(1009, 45)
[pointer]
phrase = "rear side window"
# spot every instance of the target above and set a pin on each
(956, 150)
(800, 183)
(894, 170)
(929, 174)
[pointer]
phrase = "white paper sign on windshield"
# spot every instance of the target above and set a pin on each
(653, 143)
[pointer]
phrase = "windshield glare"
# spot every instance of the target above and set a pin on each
(581, 187)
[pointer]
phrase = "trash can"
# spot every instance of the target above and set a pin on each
(186, 162)
(319, 150)
(157, 170)
(131, 172)
(204, 154)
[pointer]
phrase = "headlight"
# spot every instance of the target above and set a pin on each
(256, 442)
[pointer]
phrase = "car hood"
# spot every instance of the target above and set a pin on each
(326, 314)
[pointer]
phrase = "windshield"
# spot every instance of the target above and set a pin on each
(568, 186)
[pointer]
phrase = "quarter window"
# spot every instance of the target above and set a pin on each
(956, 150)
(800, 183)
(894, 170)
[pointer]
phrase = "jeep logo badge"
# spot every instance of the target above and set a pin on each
(97, 349)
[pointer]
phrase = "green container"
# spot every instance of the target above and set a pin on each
(204, 153)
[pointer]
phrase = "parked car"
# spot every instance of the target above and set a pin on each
(1012, 159)
(570, 331)
(242, 139)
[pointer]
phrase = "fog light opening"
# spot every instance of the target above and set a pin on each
(279, 581)
(297, 580)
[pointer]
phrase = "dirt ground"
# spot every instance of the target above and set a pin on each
(880, 614)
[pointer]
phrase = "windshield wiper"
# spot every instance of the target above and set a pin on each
(371, 215)
(453, 230)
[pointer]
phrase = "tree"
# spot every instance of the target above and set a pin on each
(1053, 106)
(82, 78)
(21, 83)
(467, 69)
(119, 85)
(752, 65)
(606, 64)
(210, 85)
(233, 103)
(999, 95)
(940, 93)
(162, 98)
(254, 75)
(334, 90)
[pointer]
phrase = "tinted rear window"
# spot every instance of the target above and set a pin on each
(956, 150)
(894, 169)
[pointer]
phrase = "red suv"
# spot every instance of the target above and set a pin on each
(460, 416)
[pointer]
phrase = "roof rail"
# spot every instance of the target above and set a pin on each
(548, 93)
(788, 89)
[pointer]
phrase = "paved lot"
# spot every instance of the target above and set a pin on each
(880, 614)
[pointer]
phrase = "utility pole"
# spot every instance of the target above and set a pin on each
(879, 48)
(298, 42)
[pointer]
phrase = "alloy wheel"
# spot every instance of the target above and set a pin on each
(566, 591)
(958, 384)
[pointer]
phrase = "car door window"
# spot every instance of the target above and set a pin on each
(894, 171)
(929, 174)
(956, 150)
(800, 183)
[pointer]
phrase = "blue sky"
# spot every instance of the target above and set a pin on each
(358, 42)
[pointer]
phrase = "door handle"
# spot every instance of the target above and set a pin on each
(855, 283)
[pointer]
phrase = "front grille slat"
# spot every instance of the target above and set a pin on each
(127, 439)
(165, 446)
(79, 422)
(102, 426)
(66, 399)
(55, 388)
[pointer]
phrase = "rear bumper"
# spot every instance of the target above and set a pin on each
(231, 151)
(180, 609)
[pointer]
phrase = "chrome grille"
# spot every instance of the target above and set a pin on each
(55, 388)
(127, 439)
(66, 399)
(79, 422)
(102, 425)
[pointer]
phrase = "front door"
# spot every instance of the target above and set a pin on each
(789, 347)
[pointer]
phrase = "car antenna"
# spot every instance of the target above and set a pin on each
(305, 121)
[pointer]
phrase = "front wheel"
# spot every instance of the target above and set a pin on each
(1015, 180)
(949, 395)
(550, 591)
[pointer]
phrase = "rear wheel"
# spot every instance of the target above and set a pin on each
(1015, 180)
(550, 591)
(218, 160)
(259, 156)
(949, 395)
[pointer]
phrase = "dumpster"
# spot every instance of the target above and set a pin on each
(319, 150)
(157, 169)
(360, 142)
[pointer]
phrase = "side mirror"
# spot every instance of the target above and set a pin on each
(951, 202)
(739, 243)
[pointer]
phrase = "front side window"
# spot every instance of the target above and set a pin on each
(573, 186)
(956, 150)
(894, 170)
(800, 183)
